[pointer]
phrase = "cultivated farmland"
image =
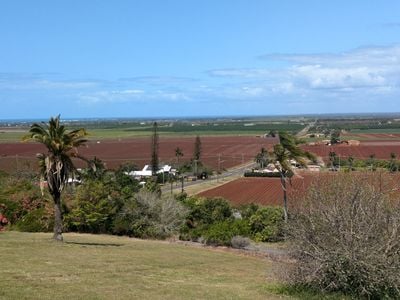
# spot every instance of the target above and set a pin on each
(381, 149)
(268, 191)
(229, 150)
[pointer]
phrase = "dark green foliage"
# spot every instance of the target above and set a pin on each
(259, 174)
(221, 233)
(92, 211)
(197, 149)
(38, 220)
(203, 213)
(212, 221)
(266, 224)
(207, 211)
(262, 158)
(335, 137)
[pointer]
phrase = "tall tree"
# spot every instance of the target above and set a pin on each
(154, 150)
(262, 158)
(197, 149)
(335, 137)
(56, 165)
(196, 154)
(178, 154)
(282, 155)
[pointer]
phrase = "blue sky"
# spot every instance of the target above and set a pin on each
(198, 58)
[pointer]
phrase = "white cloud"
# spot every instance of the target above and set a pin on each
(372, 69)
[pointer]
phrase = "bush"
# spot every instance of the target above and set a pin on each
(345, 237)
(240, 242)
(202, 214)
(221, 233)
(266, 224)
(21, 201)
(94, 206)
(38, 220)
(149, 216)
(259, 174)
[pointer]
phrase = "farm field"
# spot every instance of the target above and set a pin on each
(380, 148)
(109, 267)
(259, 190)
(268, 191)
(229, 150)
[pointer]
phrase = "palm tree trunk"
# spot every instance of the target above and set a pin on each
(58, 228)
(285, 208)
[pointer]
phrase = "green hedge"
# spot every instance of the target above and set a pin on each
(258, 174)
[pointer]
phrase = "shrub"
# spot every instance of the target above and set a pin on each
(266, 224)
(240, 242)
(21, 200)
(94, 206)
(345, 237)
(150, 216)
(260, 174)
(221, 233)
(38, 220)
(204, 212)
(207, 211)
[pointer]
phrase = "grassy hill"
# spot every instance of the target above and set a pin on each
(32, 266)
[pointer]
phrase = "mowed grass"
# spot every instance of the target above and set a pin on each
(32, 266)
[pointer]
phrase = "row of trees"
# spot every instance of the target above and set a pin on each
(195, 161)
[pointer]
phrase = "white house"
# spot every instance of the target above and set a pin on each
(147, 172)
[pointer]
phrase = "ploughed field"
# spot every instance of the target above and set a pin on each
(259, 190)
(229, 151)
(268, 191)
(380, 148)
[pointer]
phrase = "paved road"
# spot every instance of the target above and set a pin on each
(304, 131)
(230, 173)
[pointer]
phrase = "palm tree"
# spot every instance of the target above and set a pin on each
(282, 155)
(56, 165)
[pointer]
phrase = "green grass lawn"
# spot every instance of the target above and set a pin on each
(32, 266)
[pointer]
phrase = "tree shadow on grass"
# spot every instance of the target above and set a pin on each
(95, 244)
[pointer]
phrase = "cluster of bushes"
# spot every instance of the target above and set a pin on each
(23, 205)
(114, 203)
(215, 222)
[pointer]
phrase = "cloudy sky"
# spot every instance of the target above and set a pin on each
(198, 58)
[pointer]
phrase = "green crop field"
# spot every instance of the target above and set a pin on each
(124, 130)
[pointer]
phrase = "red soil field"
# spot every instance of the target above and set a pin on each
(232, 150)
(381, 149)
(268, 191)
(373, 136)
(259, 190)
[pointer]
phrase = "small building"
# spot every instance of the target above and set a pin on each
(147, 171)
